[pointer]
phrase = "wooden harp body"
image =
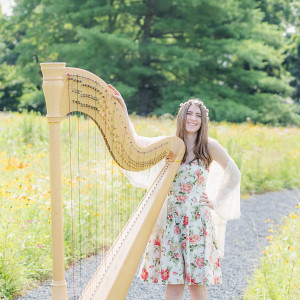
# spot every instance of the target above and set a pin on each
(113, 278)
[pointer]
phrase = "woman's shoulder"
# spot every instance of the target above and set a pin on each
(217, 151)
(212, 143)
(211, 140)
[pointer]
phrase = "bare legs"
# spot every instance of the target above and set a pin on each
(198, 292)
(175, 292)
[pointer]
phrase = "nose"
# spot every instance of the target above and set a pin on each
(193, 117)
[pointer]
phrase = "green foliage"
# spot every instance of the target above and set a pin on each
(286, 15)
(11, 84)
(158, 53)
(32, 99)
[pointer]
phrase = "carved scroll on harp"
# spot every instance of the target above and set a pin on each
(70, 89)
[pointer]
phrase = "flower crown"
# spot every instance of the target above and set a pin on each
(196, 102)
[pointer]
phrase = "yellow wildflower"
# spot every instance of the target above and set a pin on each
(293, 216)
(283, 228)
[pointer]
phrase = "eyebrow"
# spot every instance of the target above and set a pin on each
(189, 111)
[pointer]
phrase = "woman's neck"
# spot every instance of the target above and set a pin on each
(190, 141)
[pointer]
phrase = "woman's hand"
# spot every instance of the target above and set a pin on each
(118, 96)
(204, 199)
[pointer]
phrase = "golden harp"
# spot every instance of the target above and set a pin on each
(68, 90)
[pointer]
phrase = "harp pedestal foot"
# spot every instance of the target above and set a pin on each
(59, 290)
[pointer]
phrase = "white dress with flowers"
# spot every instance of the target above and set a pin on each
(185, 250)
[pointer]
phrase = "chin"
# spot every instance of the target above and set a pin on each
(192, 131)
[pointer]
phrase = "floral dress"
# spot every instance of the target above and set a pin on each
(185, 251)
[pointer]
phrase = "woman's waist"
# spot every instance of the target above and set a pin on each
(192, 191)
(190, 198)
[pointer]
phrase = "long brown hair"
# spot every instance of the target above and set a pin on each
(201, 144)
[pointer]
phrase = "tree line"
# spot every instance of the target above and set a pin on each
(241, 57)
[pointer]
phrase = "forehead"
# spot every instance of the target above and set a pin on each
(194, 108)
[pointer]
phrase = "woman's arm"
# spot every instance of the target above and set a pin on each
(218, 153)
(118, 96)
(143, 178)
(142, 141)
(227, 200)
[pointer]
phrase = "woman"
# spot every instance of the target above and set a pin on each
(186, 247)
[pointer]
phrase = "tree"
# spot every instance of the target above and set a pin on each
(239, 70)
(160, 53)
(11, 83)
(286, 15)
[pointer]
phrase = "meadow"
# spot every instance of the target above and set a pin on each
(268, 157)
(278, 274)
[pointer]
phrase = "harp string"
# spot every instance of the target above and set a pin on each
(105, 180)
(96, 186)
(89, 188)
(71, 191)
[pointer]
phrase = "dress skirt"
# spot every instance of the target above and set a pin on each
(184, 251)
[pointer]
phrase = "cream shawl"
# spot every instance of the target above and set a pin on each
(222, 188)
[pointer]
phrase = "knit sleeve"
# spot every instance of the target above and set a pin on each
(223, 190)
(145, 178)
(227, 200)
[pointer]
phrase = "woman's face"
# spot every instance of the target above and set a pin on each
(193, 119)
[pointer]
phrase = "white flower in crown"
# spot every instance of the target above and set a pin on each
(197, 102)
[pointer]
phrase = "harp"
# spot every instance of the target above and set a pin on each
(69, 90)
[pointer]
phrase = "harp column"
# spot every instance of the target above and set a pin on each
(53, 87)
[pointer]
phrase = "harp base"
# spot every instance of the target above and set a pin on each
(59, 290)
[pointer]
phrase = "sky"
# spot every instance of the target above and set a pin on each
(6, 6)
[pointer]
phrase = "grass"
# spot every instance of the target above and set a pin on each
(278, 274)
(265, 161)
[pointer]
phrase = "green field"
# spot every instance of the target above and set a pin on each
(268, 157)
